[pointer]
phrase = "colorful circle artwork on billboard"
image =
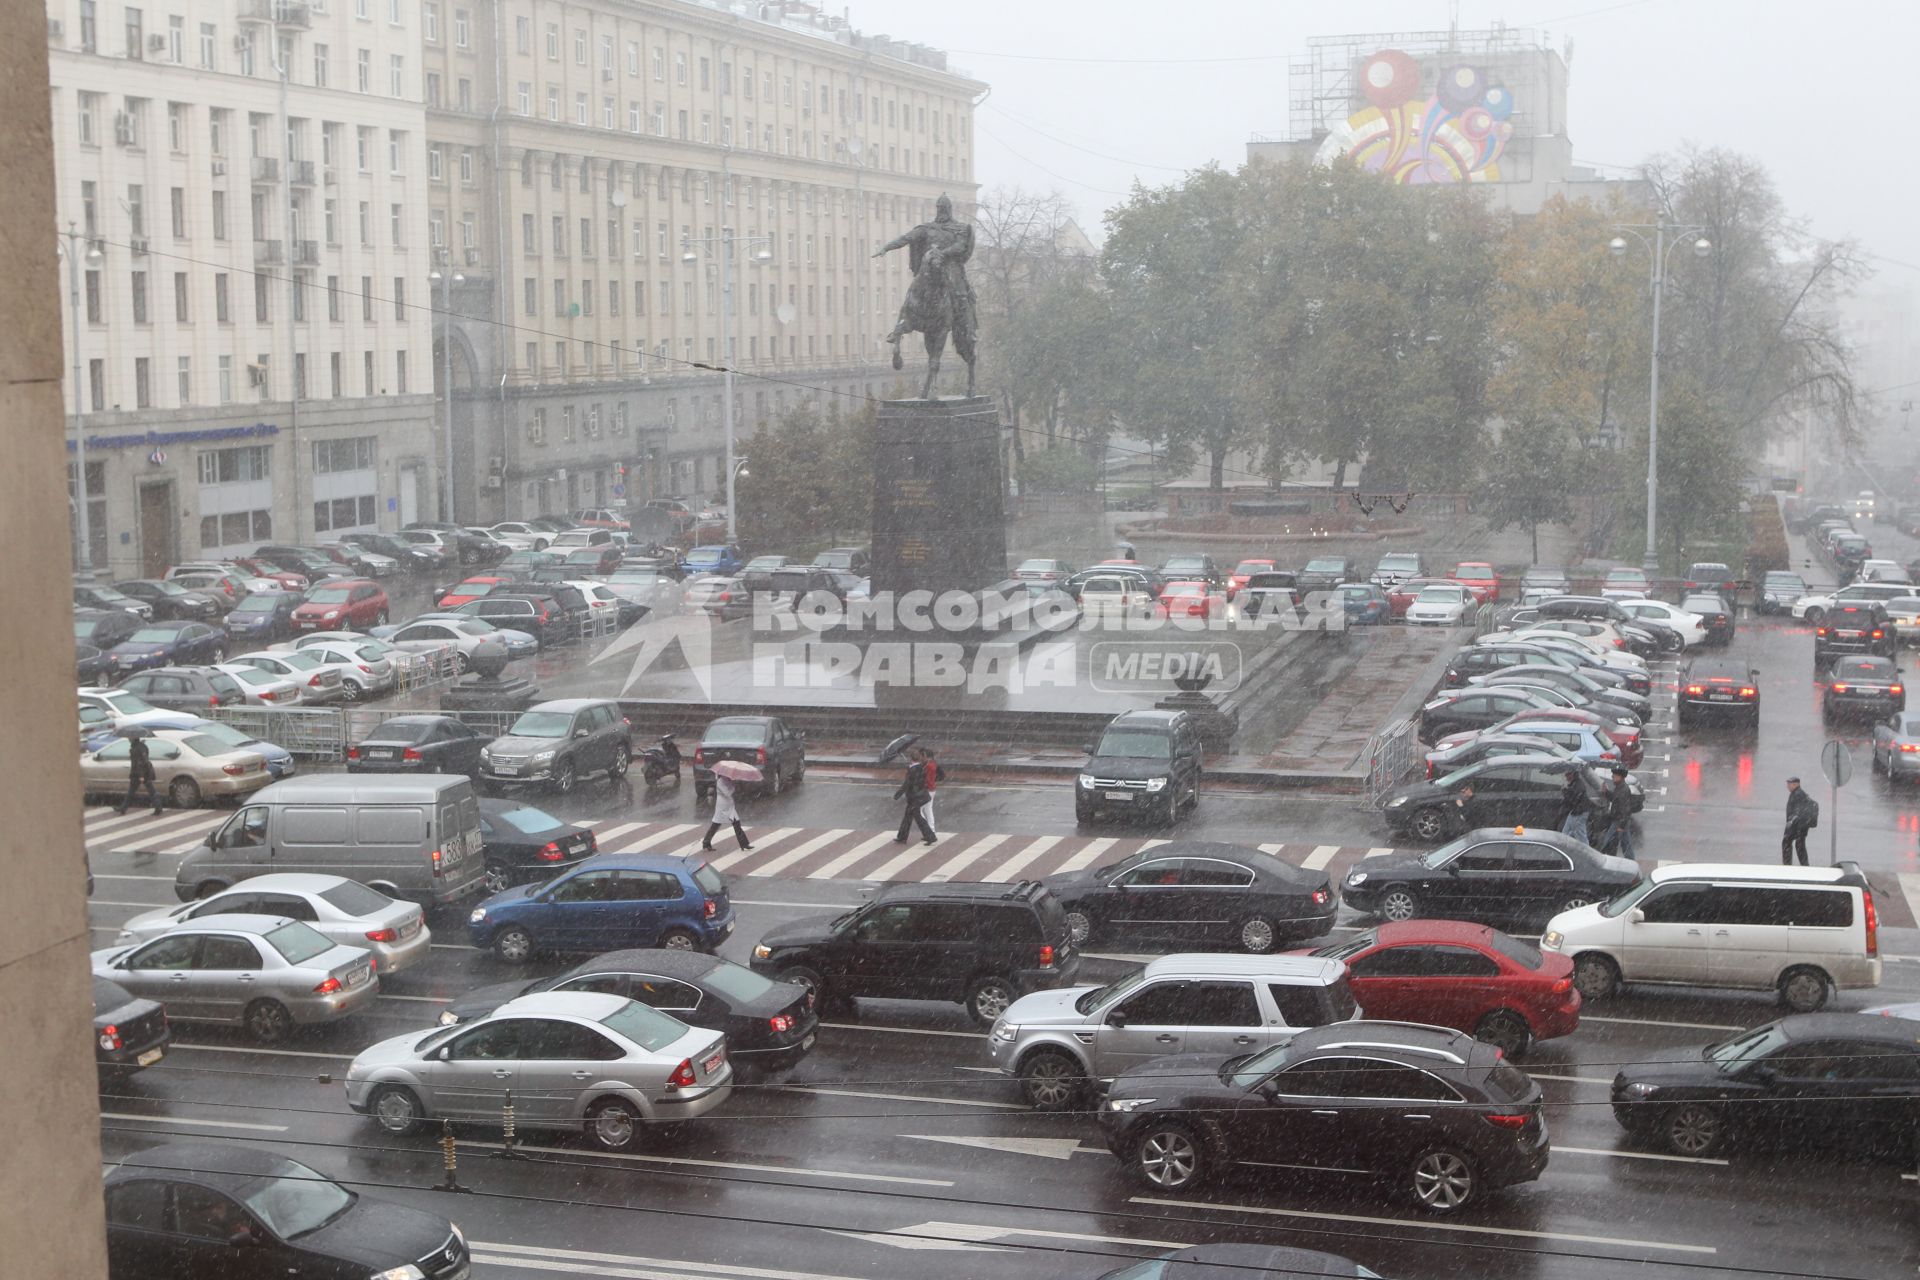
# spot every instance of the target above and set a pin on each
(1455, 133)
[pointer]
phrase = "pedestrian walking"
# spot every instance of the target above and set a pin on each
(931, 773)
(140, 763)
(1803, 814)
(913, 788)
(1575, 804)
(1619, 802)
(724, 811)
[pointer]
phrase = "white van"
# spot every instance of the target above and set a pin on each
(1801, 931)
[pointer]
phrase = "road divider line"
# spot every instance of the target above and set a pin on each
(111, 875)
(1633, 1155)
(906, 1031)
(775, 866)
(188, 1120)
(1317, 860)
(690, 1162)
(421, 999)
(1464, 1228)
(899, 1097)
(1378, 853)
(1654, 1022)
(842, 861)
(177, 1047)
(1600, 1080)
(545, 1258)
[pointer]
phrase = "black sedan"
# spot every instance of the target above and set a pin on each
(1837, 1079)
(1587, 691)
(764, 742)
(94, 596)
(264, 616)
(90, 665)
(525, 845)
(418, 744)
(1715, 614)
(770, 1026)
(169, 644)
(1864, 686)
(1718, 688)
(1476, 707)
(1179, 1123)
(171, 601)
(129, 1032)
(1506, 791)
(104, 628)
(1491, 875)
(1195, 893)
(193, 689)
(235, 1212)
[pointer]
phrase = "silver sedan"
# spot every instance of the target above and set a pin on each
(345, 911)
(1896, 745)
(265, 973)
(571, 1059)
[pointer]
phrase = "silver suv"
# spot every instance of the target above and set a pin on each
(1058, 1043)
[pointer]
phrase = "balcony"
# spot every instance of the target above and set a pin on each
(268, 253)
(300, 172)
(306, 253)
(281, 13)
(266, 169)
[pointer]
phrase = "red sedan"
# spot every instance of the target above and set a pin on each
(1192, 600)
(1478, 577)
(1244, 570)
(342, 604)
(263, 569)
(468, 591)
(1452, 974)
(1401, 595)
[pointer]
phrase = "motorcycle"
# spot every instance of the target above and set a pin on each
(659, 760)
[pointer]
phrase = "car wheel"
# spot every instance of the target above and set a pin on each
(988, 998)
(614, 1125)
(800, 771)
(1442, 1180)
(1672, 642)
(773, 781)
(1430, 824)
(1804, 990)
(496, 878)
(207, 888)
(1171, 813)
(1506, 1031)
(184, 793)
(1171, 1157)
(1398, 903)
(1257, 935)
(395, 1110)
(1693, 1129)
(1193, 796)
(1079, 927)
(514, 945)
(1595, 976)
(679, 940)
(268, 1021)
(1051, 1080)
(461, 664)
(622, 758)
(563, 780)
(354, 692)
(1814, 616)
(1577, 900)
(807, 978)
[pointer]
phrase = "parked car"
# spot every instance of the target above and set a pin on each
(522, 536)
(105, 628)
(525, 845)
(1473, 708)
(1116, 595)
(111, 709)
(130, 1032)
(1443, 605)
(770, 1026)
(90, 665)
(1779, 591)
(1903, 615)
(847, 559)
(1064, 1043)
(172, 602)
(536, 617)
(280, 761)
(1627, 737)
(1243, 571)
(1586, 689)
(266, 973)
(355, 603)
(1798, 931)
(185, 688)
(1461, 750)
(218, 1209)
(468, 590)
(1815, 607)
(1863, 686)
(1195, 892)
(341, 910)
(1687, 630)
(635, 1067)
(305, 561)
(226, 586)
(1493, 874)
(1446, 1120)
(1512, 791)
(1192, 568)
(319, 682)
(1715, 614)
(1323, 573)
(1896, 746)
(262, 618)
(765, 742)
(587, 562)
(553, 744)
(367, 667)
(716, 558)
(450, 548)
(1396, 567)
(979, 944)
(1626, 583)
(418, 744)
(1364, 604)
(284, 579)
(1146, 763)
(188, 767)
(465, 640)
(1191, 598)
(95, 596)
(1478, 577)
(1270, 591)
(1850, 628)
(1473, 978)
(407, 555)
(166, 644)
(1718, 687)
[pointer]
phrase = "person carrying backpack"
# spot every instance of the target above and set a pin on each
(1803, 814)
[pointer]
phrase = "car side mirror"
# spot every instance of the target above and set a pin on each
(581, 733)
(242, 1236)
(1118, 1018)
(1638, 916)
(445, 1054)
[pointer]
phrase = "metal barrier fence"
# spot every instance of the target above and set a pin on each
(1393, 757)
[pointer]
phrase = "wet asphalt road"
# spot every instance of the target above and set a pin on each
(892, 1152)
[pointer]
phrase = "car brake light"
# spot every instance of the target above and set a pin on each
(779, 1023)
(1320, 897)
(760, 755)
(110, 1036)
(1877, 633)
(1046, 955)
(437, 858)
(1910, 746)
(1873, 923)
(1819, 631)
(327, 988)
(353, 753)
(1748, 691)
(1839, 688)
(1609, 755)
(1515, 1123)
(364, 667)
(315, 682)
(699, 755)
(1563, 986)
(410, 754)
(1429, 771)
(1696, 688)
(682, 1077)
(382, 935)
(1897, 689)
(710, 909)
(550, 852)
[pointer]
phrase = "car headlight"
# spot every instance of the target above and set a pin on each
(1086, 780)
(486, 753)
(761, 951)
(1356, 877)
(1396, 802)
(1641, 1090)
(1156, 784)
(1006, 1031)
(1128, 1104)
(479, 914)
(542, 757)
(408, 1272)
(1551, 940)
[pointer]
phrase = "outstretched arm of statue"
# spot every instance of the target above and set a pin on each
(898, 242)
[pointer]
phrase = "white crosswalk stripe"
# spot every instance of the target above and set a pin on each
(851, 856)
(1320, 857)
(892, 867)
(799, 851)
(1378, 853)
(1088, 856)
(655, 840)
(1011, 867)
(764, 840)
(606, 838)
(952, 866)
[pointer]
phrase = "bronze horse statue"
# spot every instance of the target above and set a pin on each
(940, 301)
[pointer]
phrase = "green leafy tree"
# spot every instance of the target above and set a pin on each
(809, 478)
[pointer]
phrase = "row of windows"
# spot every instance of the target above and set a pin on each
(237, 374)
(130, 130)
(353, 454)
(265, 289)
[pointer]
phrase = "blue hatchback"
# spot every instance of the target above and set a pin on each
(609, 902)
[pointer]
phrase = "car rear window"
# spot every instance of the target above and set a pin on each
(737, 734)
(1010, 924)
(1313, 1005)
(711, 882)
(530, 820)
(645, 1026)
(298, 942)
(736, 982)
(356, 899)
(1522, 953)
(1508, 1082)
(260, 603)
(154, 635)
(201, 744)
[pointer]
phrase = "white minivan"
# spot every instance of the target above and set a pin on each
(1801, 931)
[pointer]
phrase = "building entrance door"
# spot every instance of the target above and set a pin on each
(410, 496)
(157, 527)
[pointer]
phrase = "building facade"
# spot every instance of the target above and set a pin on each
(253, 340)
(628, 195)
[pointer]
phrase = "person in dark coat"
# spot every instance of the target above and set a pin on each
(1803, 811)
(1619, 800)
(1575, 804)
(140, 770)
(913, 788)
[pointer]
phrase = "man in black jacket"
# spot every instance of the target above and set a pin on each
(914, 788)
(140, 769)
(1619, 802)
(1803, 811)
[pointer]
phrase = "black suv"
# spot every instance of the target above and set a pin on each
(1146, 762)
(1195, 568)
(1434, 1115)
(979, 944)
(552, 744)
(1852, 626)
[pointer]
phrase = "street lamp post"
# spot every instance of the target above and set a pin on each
(730, 324)
(446, 280)
(1650, 562)
(82, 525)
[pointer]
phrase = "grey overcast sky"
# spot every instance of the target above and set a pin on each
(1822, 93)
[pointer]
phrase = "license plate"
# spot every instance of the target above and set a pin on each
(152, 1056)
(808, 1042)
(357, 977)
(1119, 795)
(506, 770)
(1718, 696)
(712, 1064)
(381, 753)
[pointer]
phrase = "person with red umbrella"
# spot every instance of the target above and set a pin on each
(727, 774)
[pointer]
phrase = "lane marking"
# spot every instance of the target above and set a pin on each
(847, 859)
(909, 1031)
(692, 1163)
(612, 833)
(1378, 853)
(177, 1047)
(1601, 1080)
(948, 869)
(899, 1097)
(774, 866)
(1654, 1022)
(1046, 1148)
(1089, 855)
(184, 1120)
(1320, 857)
(144, 906)
(892, 867)
(1636, 1155)
(963, 1235)
(1011, 867)
(421, 999)
(1568, 1236)
(764, 839)
(812, 906)
(109, 875)
(546, 1258)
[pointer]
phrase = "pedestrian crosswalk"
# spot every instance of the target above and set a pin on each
(851, 853)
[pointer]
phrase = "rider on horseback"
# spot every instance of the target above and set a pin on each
(940, 300)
